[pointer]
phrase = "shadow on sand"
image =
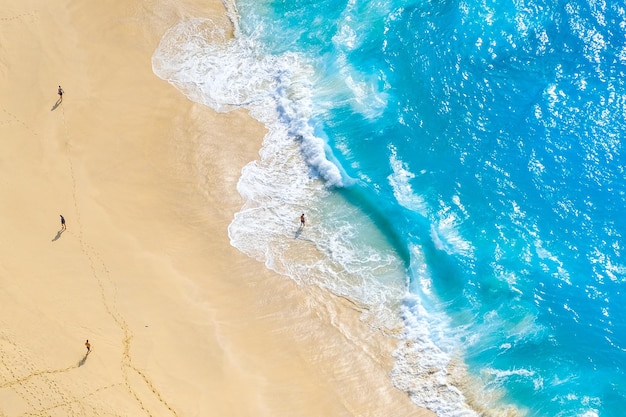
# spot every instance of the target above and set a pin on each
(57, 104)
(58, 236)
(83, 360)
(298, 232)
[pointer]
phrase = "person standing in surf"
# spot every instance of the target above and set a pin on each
(302, 220)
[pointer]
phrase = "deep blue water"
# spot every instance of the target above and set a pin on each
(478, 147)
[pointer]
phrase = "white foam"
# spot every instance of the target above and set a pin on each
(445, 231)
(366, 95)
(400, 181)
(197, 58)
(423, 368)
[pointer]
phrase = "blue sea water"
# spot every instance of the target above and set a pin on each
(461, 168)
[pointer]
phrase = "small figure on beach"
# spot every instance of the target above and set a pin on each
(60, 91)
(88, 346)
(62, 222)
(302, 220)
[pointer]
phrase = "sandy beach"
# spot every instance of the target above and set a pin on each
(179, 322)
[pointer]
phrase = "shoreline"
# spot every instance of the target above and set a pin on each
(180, 323)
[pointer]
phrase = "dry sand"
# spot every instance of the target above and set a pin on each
(180, 323)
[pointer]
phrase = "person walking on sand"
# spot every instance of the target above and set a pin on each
(302, 220)
(88, 346)
(60, 91)
(62, 222)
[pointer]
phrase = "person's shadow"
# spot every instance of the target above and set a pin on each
(58, 236)
(57, 104)
(83, 360)
(299, 232)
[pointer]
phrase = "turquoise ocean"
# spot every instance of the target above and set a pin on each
(461, 168)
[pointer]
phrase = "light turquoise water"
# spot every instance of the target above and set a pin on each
(462, 170)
